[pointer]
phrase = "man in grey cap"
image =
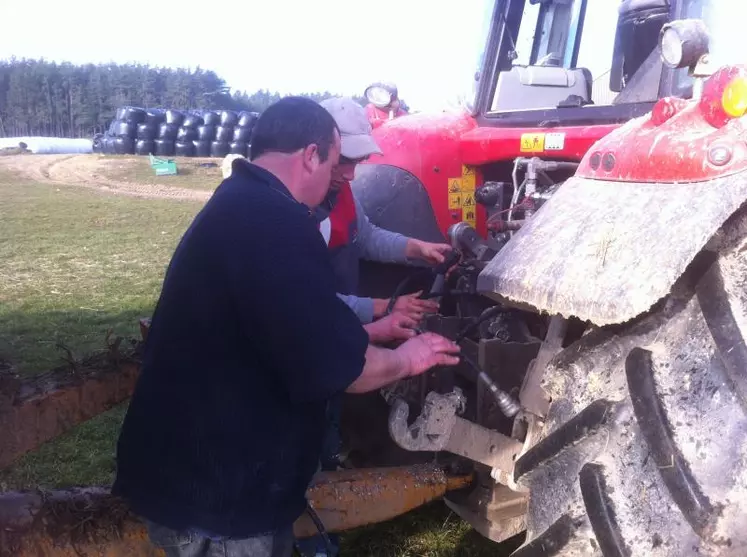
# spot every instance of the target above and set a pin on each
(347, 230)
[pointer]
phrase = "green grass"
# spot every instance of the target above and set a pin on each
(77, 263)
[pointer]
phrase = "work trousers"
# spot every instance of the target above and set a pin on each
(193, 544)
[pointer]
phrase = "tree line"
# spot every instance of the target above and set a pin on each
(66, 100)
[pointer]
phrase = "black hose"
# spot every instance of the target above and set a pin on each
(475, 322)
(320, 528)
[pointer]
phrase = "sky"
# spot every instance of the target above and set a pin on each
(429, 50)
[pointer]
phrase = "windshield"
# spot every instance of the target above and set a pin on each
(725, 22)
(580, 52)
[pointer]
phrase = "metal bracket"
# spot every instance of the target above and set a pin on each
(438, 428)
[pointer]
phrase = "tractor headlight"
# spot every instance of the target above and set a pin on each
(379, 96)
(683, 43)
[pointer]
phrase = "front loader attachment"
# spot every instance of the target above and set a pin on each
(94, 523)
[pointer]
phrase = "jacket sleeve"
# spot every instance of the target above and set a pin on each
(377, 244)
(363, 307)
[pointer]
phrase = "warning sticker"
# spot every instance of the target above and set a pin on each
(532, 142)
(468, 183)
(469, 216)
(554, 141)
(455, 200)
(467, 170)
(455, 185)
(468, 200)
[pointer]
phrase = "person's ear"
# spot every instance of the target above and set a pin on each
(311, 158)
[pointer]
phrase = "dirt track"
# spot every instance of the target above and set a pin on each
(88, 171)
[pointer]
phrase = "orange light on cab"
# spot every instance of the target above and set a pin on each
(724, 96)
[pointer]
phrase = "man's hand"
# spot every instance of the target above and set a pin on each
(396, 326)
(425, 351)
(428, 252)
(410, 305)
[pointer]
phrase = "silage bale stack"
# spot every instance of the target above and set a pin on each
(165, 133)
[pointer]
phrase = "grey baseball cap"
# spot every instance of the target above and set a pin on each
(355, 130)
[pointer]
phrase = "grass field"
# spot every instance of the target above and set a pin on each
(76, 263)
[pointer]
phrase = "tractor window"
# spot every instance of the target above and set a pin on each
(575, 53)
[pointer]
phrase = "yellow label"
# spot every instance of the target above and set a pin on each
(455, 185)
(532, 142)
(468, 200)
(455, 200)
(468, 183)
(469, 216)
(467, 170)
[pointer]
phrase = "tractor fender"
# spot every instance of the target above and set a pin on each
(395, 200)
(608, 251)
(420, 153)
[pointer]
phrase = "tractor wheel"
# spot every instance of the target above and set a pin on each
(644, 448)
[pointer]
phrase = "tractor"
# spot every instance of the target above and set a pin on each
(595, 189)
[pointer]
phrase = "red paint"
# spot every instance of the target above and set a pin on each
(428, 146)
(675, 151)
(434, 147)
(485, 145)
(378, 116)
(665, 108)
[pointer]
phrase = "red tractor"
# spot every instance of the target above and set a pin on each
(596, 192)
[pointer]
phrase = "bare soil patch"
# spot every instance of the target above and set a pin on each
(122, 175)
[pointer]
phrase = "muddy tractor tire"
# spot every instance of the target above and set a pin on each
(644, 448)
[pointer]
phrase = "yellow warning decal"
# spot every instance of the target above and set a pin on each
(455, 200)
(468, 170)
(455, 185)
(468, 200)
(532, 142)
(469, 216)
(468, 183)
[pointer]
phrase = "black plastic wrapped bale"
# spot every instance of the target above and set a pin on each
(184, 148)
(242, 134)
(211, 118)
(206, 133)
(164, 147)
(202, 148)
(123, 128)
(219, 148)
(146, 131)
(224, 134)
(228, 118)
(145, 147)
(155, 117)
(239, 148)
(192, 121)
(124, 146)
(168, 131)
(186, 135)
(247, 119)
(174, 117)
(134, 115)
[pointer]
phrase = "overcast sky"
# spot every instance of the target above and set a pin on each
(290, 46)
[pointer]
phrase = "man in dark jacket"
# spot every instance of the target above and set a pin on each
(248, 343)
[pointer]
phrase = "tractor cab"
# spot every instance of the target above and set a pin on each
(566, 62)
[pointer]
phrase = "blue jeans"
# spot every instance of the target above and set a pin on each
(329, 461)
(194, 544)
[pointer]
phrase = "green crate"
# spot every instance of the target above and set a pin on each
(163, 167)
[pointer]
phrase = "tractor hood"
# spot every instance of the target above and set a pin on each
(607, 251)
